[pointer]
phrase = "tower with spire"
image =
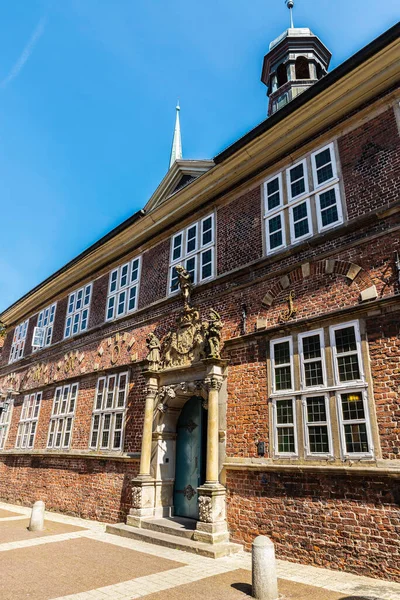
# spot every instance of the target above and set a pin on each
(296, 60)
(176, 150)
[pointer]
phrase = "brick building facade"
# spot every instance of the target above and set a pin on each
(292, 236)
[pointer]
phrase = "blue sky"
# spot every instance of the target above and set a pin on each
(87, 96)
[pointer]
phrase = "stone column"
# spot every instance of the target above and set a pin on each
(212, 527)
(143, 486)
(145, 456)
(214, 385)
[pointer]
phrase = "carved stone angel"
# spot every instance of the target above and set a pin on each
(154, 356)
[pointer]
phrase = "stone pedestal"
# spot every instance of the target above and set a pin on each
(211, 527)
(143, 500)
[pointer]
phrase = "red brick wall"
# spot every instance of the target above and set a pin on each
(98, 303)
(87, 488)
(345, 523)
(247, 414)
(59, 321)
(384, 350)
(239, 234)
(370, 159)
(28, 342)
(154, 277)
(5, 351)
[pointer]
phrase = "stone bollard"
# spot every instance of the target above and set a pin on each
(37, 517)
(265, 584)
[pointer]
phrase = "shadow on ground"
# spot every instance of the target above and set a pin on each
(246, 588)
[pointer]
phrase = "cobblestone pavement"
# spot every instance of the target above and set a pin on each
(76, 560)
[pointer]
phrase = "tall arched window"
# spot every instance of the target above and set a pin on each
(281, 74)
(302, 68)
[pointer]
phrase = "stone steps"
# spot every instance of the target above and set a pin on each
(176, 542)
(178, 526)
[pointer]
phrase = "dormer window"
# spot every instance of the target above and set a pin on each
(193, 248)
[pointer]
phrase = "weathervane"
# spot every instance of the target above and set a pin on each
(290, 4)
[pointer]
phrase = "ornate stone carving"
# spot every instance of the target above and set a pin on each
(185, 284)
(291, 312)
(185, 344)
(205, 509)
(214, 335)
(189, 492)
(212, 383)
(154, 356)
(136, 497)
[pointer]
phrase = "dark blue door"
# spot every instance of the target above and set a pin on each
(190, 449)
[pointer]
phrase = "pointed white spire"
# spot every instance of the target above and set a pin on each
(176, 151)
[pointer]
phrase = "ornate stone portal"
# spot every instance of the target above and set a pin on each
(185, 363)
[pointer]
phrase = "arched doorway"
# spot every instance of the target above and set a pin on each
(190, 457)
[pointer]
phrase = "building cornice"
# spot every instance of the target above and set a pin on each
(365, 78)
(351, 468)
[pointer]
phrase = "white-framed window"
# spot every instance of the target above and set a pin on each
(355, 430)
(299, 374)
(108, 418)
(346, 351)
(292, 215)
(312, 359)
(28, 422)
(6, 408)
(194, 249)
(282, 364)
(300, 221)
(62, 417)
(324, 166)
(43, 332)
(18, 343)
(285, 432)
(297, 181)
(317, 425)
(123, 289)
(77, 318)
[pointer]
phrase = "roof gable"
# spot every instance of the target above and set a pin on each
(181, 174)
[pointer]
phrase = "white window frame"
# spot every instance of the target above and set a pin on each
(18, 343)
(273, 366)
(100, 413)
(300, 337)
(78, 312)
(60, 418)
(127, 287)
(306, 184)
(342, 423)
(197, 253)
(307, 425)
(272, 213)
(44, 328)
(277, 426)
(28, 423)
(332, 330)
(334, 178)
(312, 192)
(322, 227)
(337, 389)
(5, 420)
(295, 240)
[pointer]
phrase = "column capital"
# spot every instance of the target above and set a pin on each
(213, 382)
